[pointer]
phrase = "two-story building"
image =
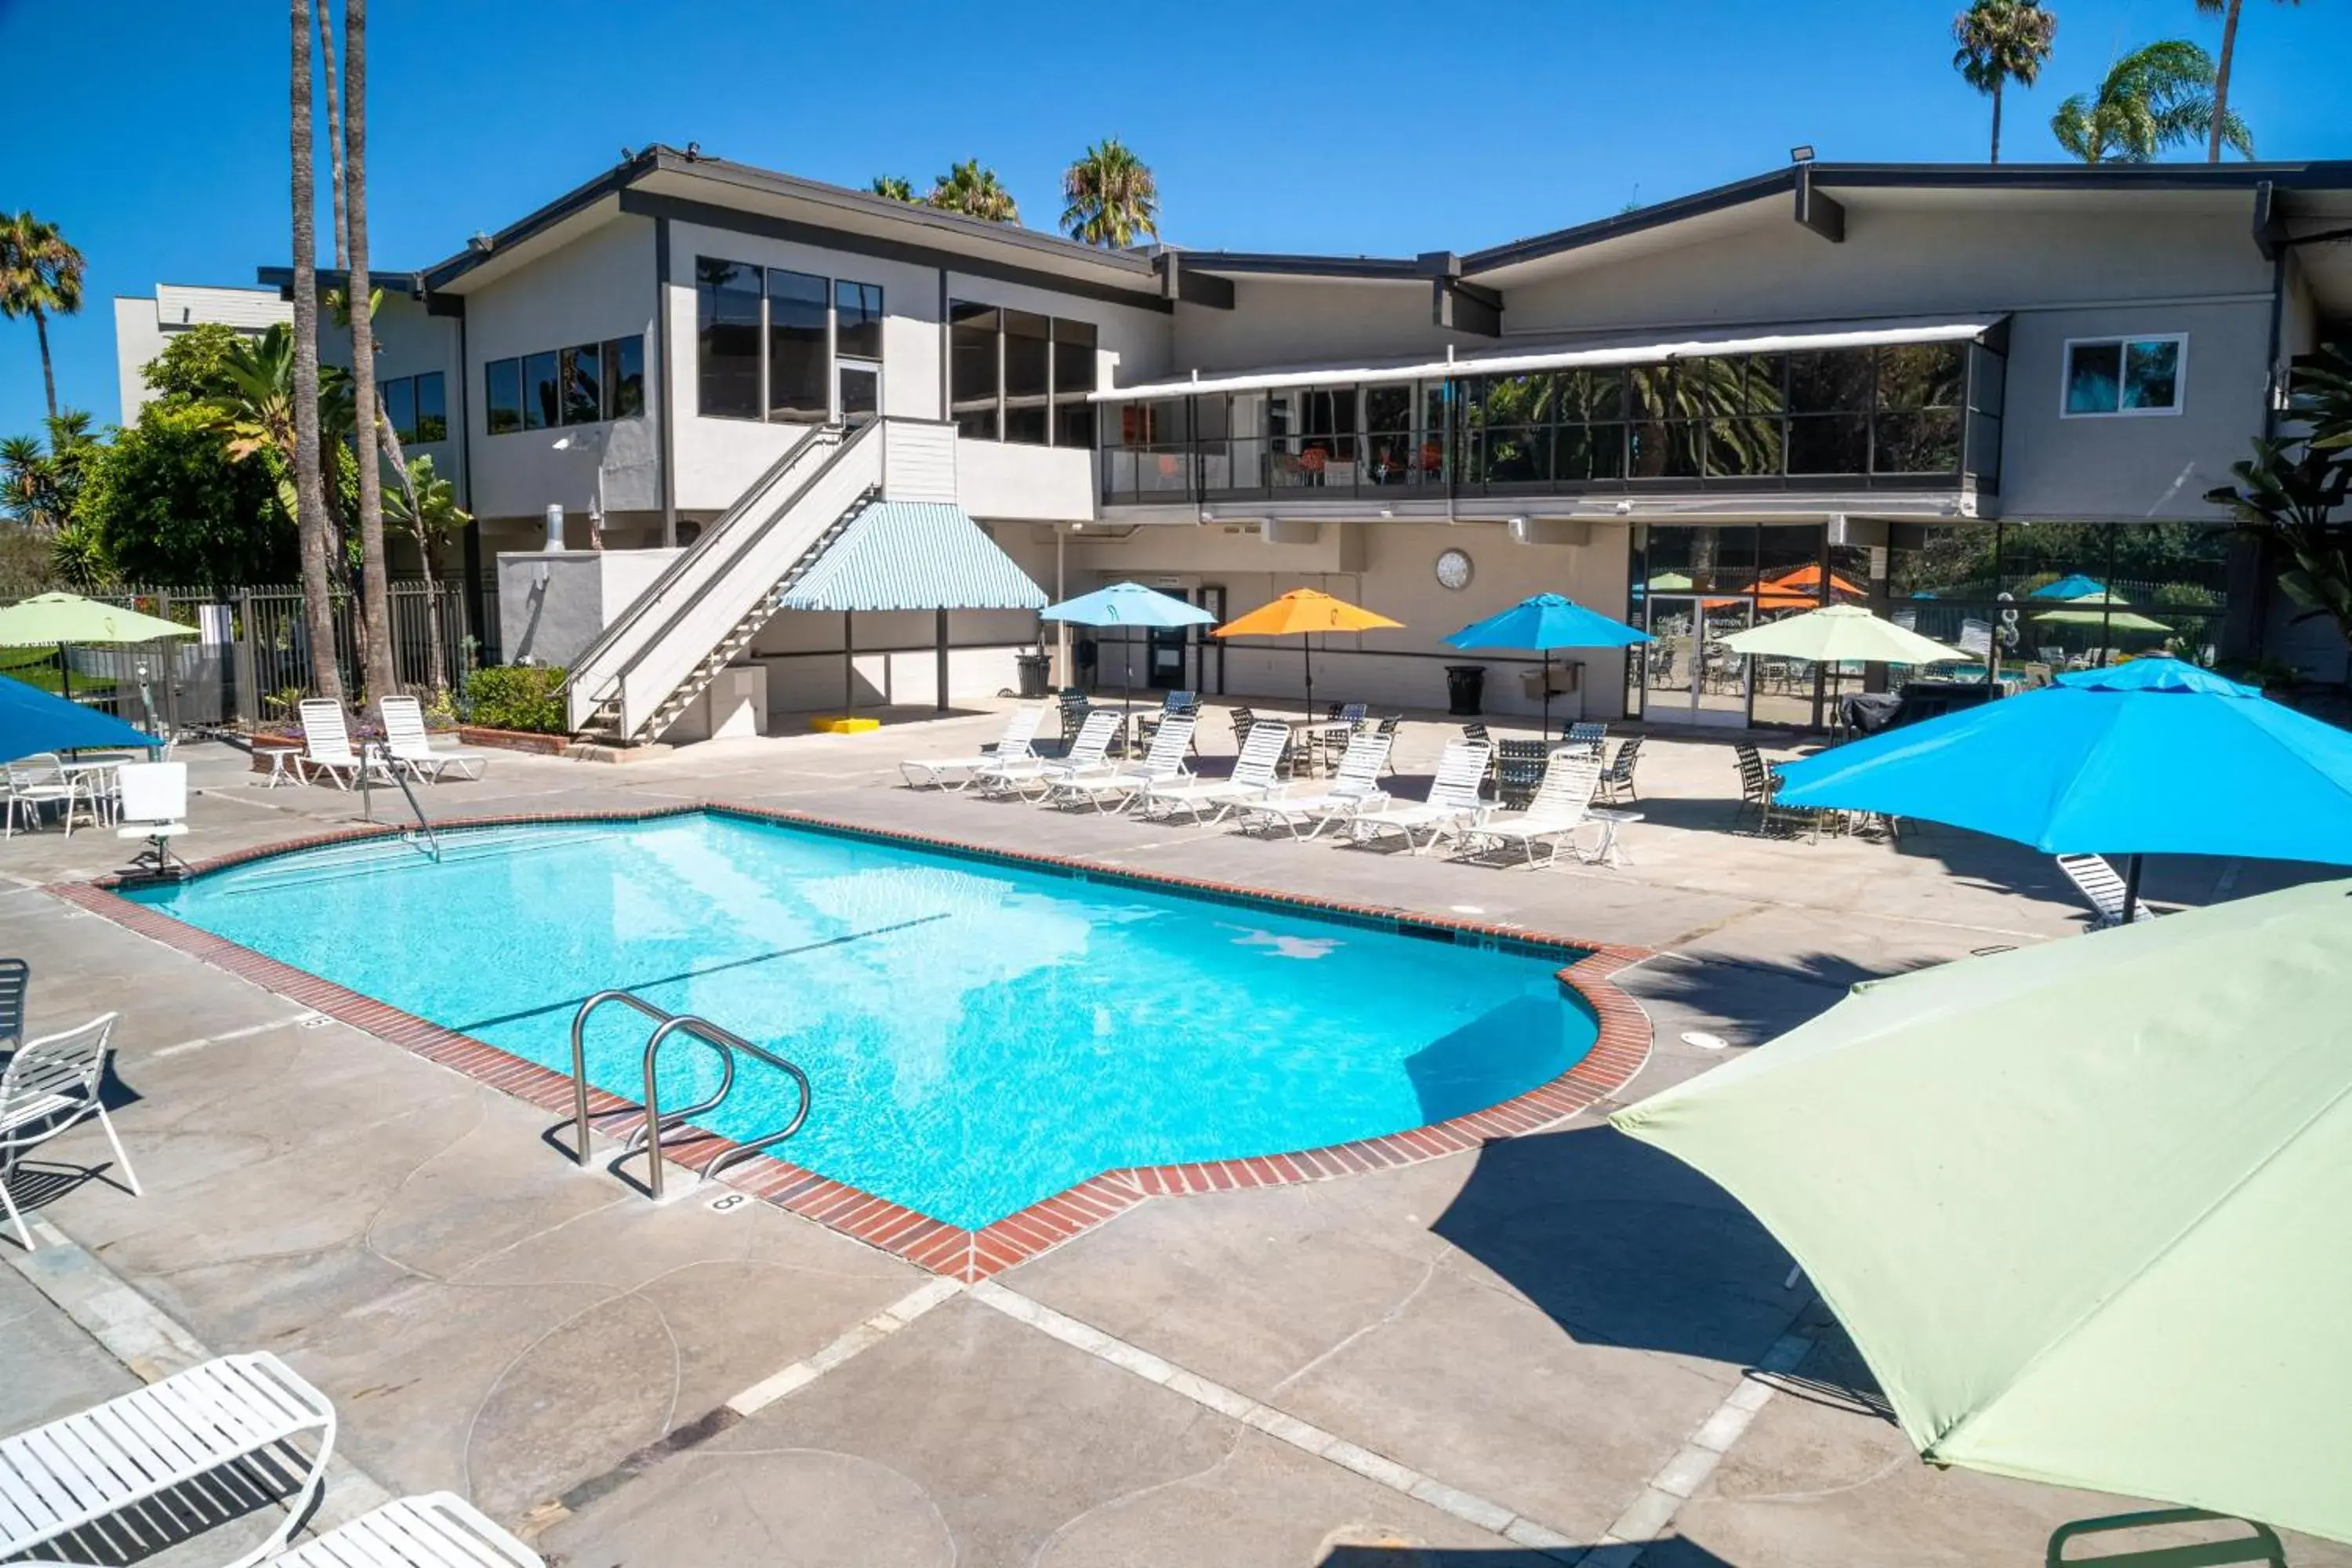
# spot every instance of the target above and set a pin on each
(1942, 390)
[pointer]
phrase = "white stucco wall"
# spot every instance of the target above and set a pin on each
(553, 603)
(1288, 321)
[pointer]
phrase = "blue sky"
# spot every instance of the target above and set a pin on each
(159, 143)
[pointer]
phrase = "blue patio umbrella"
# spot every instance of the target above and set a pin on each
(33, 720)
(2077, 586)
(1128, 605)
(1544, 622)
(2154, 756)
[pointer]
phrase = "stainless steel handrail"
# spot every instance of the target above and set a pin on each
(703, 1032)
(372, 756)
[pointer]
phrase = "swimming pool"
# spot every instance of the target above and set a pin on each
(980, 1033)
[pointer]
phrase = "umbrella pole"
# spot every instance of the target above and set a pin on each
(65, 673)
(1547, 693)
(1307, 655)
(2131, 890)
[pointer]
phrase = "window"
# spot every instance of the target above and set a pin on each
(858, 319)
(798, 363)
(432, 410)
(400, 405)
(624, 377)
(2123, 376)
(973, 368)
(502, 395)
(1014, 376)
(542, 403)
(727, 339)
(1074, 377)
(583, 374)
(1028, 376)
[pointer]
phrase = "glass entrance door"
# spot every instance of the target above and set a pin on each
(1692, 678)
(1164, 663)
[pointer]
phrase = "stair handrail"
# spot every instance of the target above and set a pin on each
(373, 756)
(833, 439)
(703, 1032)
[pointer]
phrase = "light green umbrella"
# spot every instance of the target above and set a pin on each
(1669, 581)
(63, 618)
(1837, 633)
(2100, 610)
(2080, 1205)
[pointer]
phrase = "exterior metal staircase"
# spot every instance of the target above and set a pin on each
(651, 664)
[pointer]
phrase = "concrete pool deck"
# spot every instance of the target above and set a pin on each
(1513, 1355)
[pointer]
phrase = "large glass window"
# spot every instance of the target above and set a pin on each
(502, 395)
(2124, 375)
(973, 368)
(858, 319)
(583, 374)
(727, 339)
(799, 364)
(399, 396)
(542, 391)
(432, 409)
(624, 377)
(1028, 376)
(1074, 377)
(1916, 428)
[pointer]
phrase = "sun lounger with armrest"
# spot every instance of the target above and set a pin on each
(1452, 804)
(1021, 727)
(1306, 816)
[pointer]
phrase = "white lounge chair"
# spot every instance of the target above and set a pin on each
(1450, 805)
(327, 744)
(1019, 776)
(74, 1472)
(1019, 738)
(405, 741)
(439, 1529)
(153, 805)
(1356, 780)
(35, 782)
(2103, 884)
(1562, 803)
(1110, 788)
(51, 1084)
(1255, 777)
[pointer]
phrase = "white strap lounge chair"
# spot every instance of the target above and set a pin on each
(1019, 775)
(1562, 803)
(1255, 775)
(2103, 884)
(1110, 789)
(154, 806)
(1021, 727)
(58, 1478)
(50, 1085)
(405, 741)
(1450, 805)
(439, 1529)
(327, 744)
(1356, 780)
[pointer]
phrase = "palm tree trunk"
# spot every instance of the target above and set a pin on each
(1996, 120)
(48, 376)
(436, 678)
(311, 501)
(334, 135)
(375, 588)
(2222, 82)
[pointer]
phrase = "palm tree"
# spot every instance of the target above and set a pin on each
(897, 187)
(310, 492)
(377, 668)
(975, 192)
(1111, 195)
(38, 486)
(334, 135)
(40, 276)
(2001, 41)
(2158, 96)
(2217, 131)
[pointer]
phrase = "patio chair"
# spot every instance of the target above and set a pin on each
(1148, 724)
(1451, 804)
(50, 1085)
(1562, 803)
(154, 807)
(2263, 1546)
(1759, 786)
(2102, 886)
(327, 745)
(1519, 769)
(1617, 780)
(35, 781)
(1075, 708)
(1112, 788)
(251, 1411)
(1019, 776)
(1356, 780)
(16, 980)
(1589, 735)
(430, 1531)
(1386, 728)
(1255, 775)
(954, 774)
(410, 750)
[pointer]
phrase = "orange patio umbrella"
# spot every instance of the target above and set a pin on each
(1301, 613)
(1805, 582)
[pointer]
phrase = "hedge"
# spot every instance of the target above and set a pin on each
(527, 697)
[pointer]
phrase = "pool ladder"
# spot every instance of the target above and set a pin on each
(654, 1123)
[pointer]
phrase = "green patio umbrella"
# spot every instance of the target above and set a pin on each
(2100, 610)
(2080, 1205)
(65, 618)
(1839, 633)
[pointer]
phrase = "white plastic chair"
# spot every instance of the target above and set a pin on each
(405, 741)
(112, 1458)
(1021, 727)
(35, 781)
(327, 744)
(152, 804)
(50, 1085)
(439, 1529)
(1112, 788)
(1562, 803)
(1018, 774)
(2103, 884)
(1255, 777)
(1451, 807)
(1355, 782)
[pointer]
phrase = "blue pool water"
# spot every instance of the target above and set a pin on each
(979, 1036)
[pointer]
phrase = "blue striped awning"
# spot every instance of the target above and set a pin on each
(913, 555)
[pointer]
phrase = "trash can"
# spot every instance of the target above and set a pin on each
(1466, 689)
(1034, 668)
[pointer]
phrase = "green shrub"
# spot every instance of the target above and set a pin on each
(516, 696)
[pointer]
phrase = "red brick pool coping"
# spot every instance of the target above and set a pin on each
(1618, 1052)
